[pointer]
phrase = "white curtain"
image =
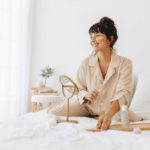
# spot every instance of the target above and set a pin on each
(14, 57)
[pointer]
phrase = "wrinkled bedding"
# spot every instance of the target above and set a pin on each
(39, 131)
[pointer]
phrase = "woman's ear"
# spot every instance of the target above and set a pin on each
(112, 38)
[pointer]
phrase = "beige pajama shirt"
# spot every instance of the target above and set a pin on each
(117, 84)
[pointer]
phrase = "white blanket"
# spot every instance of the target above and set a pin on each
(39, 131)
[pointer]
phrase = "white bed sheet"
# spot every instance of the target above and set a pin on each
(39, 131)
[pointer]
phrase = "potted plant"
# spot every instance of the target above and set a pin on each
(46, 73)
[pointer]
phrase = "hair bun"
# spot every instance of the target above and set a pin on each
(107, 21)
(107, 27)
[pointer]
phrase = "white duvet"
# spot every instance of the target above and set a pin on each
(39, 131)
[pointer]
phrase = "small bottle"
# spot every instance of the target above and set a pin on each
(124, 116)
(137, 130)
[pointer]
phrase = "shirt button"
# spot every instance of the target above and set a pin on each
(100, 90)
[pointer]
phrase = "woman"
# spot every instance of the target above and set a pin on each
(104, 79)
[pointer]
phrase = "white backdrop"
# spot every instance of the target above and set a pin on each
(61, 39)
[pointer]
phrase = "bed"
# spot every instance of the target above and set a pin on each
(39, 131)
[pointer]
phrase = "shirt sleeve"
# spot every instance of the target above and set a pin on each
(81, 83)
(123, 88)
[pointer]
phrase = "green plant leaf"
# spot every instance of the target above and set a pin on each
(47, 72)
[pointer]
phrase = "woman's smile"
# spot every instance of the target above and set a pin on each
(94, 45)
(99, 42)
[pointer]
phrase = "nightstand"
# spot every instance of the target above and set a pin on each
(37, 100)
(52, 100)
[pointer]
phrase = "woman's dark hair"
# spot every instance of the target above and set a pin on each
(107, 27)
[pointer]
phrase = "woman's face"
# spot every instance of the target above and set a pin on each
(99, 42)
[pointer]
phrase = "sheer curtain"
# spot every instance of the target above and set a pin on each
(14, 57)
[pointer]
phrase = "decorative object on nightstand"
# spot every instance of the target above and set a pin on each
(71, 87)
(46, 73)
(39, 99)
(39, 84)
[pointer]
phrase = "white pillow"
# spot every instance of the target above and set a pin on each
(133, 87)
(141, 98)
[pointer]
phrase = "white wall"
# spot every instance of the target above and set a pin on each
(61, 39)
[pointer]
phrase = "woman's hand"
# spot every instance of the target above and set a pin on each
(104, 122)
(91, 96)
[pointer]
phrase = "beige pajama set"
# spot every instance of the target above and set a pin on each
(115, 86)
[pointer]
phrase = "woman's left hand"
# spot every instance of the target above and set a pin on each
(104, 122)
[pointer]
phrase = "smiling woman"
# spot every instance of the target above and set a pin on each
(99, 41)
(103, 36)
(105, 32)
(104, 79)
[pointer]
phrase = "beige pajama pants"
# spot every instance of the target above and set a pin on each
(75, 109)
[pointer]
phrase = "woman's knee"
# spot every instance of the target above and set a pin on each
(75, 109)
(58, 110)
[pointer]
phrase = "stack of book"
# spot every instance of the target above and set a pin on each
(49, 92)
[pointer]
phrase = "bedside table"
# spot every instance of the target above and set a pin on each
(36, 92)
(38, 99)
(50, 99)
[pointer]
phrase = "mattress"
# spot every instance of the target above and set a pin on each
(39, 131)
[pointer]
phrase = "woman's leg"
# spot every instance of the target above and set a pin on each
(75, 109)
(132, 116)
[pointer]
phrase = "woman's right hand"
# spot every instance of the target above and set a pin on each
(91, 96)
